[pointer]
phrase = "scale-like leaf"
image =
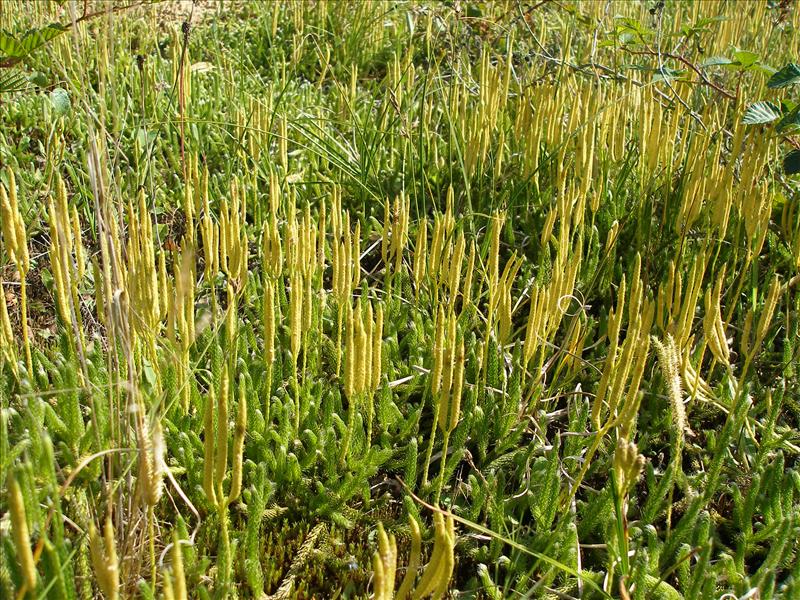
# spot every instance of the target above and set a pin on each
(788, 75)
(759, 113)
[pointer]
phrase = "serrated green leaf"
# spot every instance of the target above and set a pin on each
(667, 74)
(12, 50)
(716, 61)
(10, 47)
(634, 25)
(790, 121)
(791, 162)
(11, 81)
(36, 38)
(788, 75)
(630, 30)
(759, 113)
(745, 59)
(766, 69)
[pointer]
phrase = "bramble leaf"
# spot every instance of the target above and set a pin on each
(716, 61)
(791, 162)
(788, 75)
(759, 113)
(790, 121)
(745, 59)
(11, 81)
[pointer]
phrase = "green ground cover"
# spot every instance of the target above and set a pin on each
(399, 300)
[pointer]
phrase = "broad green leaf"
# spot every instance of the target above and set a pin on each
(701, 25)
(474, 11)
(38, 78)
(791, 162)
(788, 75)
(630, 30)
(13, 48)
(59, 100)
(145, 138)
(11, 80)
(149, 374)
(10, 47)
(36, 38)
(745, 59)
(202, 67)
(667, 74)
(766, 69)
(634, 25)
(790, 121)
(715, 61)
(759, 113)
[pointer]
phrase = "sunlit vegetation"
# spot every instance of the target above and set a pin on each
(399, 300)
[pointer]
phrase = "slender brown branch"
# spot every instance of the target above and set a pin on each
(112, 10)
(686, 62)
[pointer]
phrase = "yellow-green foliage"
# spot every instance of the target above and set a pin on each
(252, 263)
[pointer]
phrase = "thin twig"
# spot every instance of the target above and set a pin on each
(685, 61)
